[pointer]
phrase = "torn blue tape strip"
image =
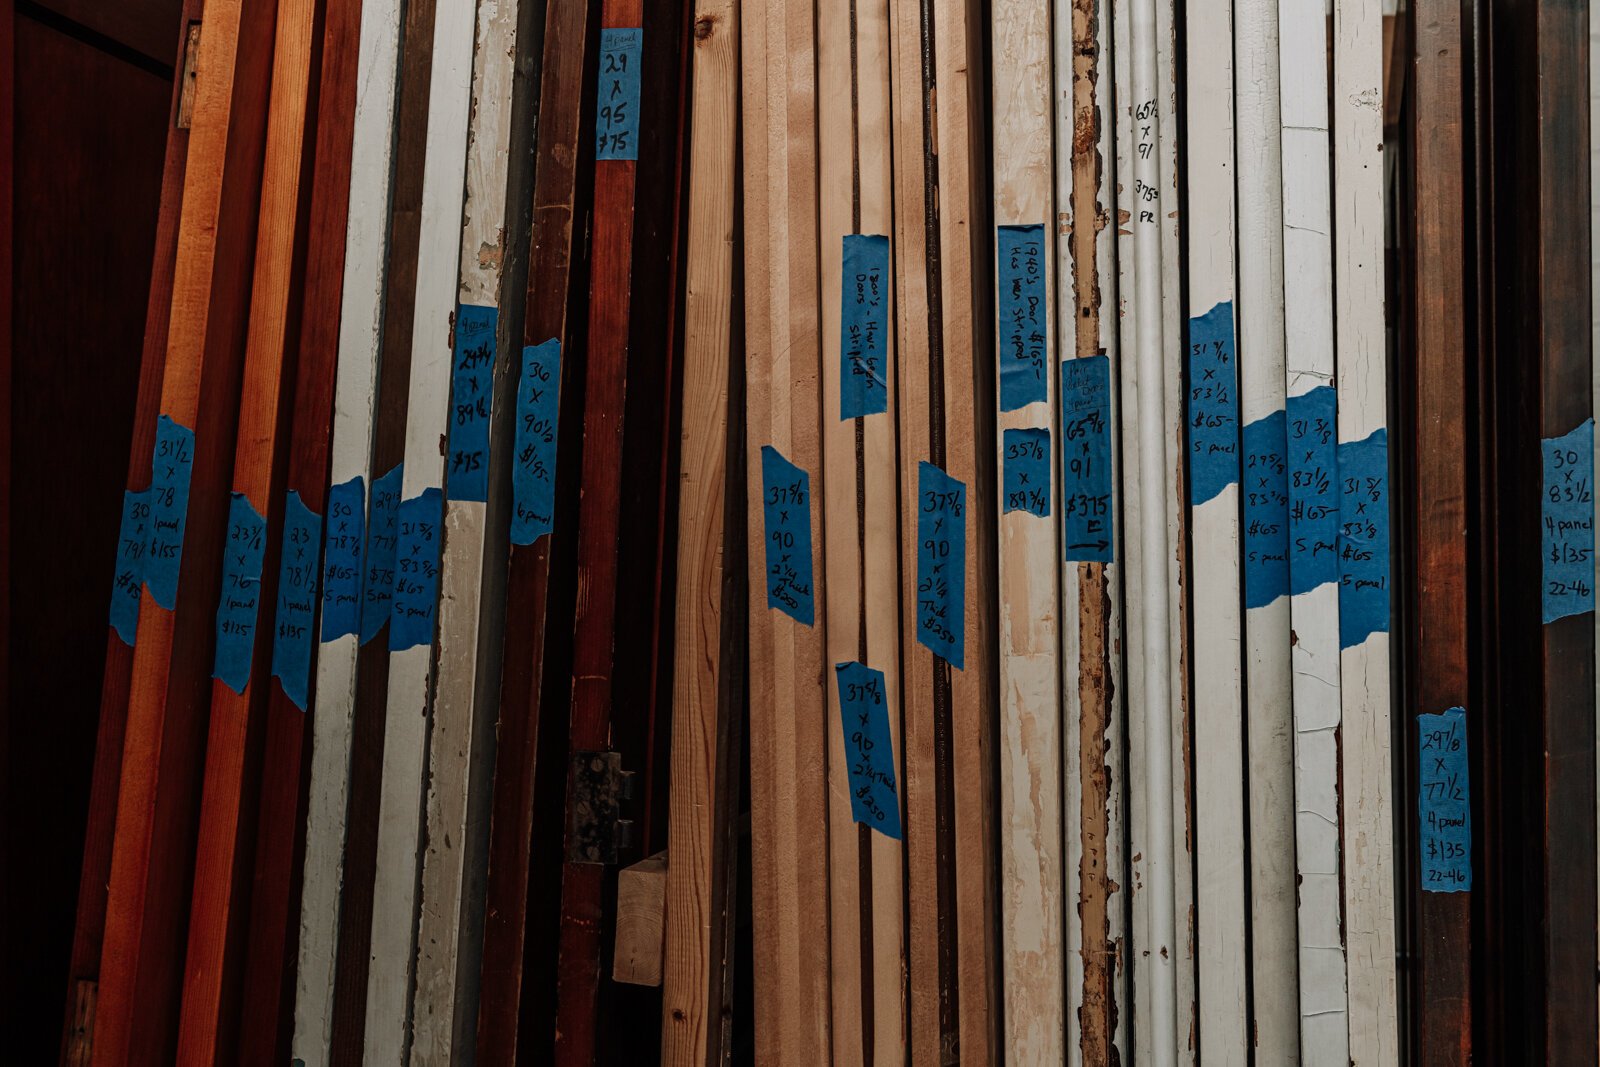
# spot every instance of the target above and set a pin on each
(377, 585)
(1363, 538)
(1086, 502)
(1022, 311)
(616, 118)
(864, 326)
(170, 467)
(1026, 453)
(240, 602)
(133, 539)
(1444, 802)
(1266, 511)
(942, 563)
(295, 624)
(341, 559)
(471, 398)
(868, 748)
(533, 472)
(416, 571)
(1313, 489)
(1567, 518)
(1213, 414)
(786, 509)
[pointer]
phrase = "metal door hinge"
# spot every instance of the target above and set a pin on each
(597, 832)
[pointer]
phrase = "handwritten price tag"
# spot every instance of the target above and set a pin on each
(616, 120)
(1266, 511)
(416, 571)
(1568, 521)
(533, 469)
(1213, 415)
(170, 467)
(471, 398)
(1086, 459)
(1027, 471)
(297, 599)
(341, 559)
(868, 748)
(1444, 802)
(241, 593)
(133, 539)
(1023, 313)
(864, 326)
(377, 586)
(786, 507)
(941, 564)
(1363, 538)
(1313, 490)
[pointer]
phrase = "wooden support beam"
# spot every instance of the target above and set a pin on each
(359, 278)
(218, 912)
(709, 626)
(1443, 973)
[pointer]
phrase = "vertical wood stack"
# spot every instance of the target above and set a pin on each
(854, 531)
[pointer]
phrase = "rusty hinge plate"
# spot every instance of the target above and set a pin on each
(597, 832)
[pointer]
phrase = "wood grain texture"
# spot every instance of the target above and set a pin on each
(927, 819)
(554, 281)
(1314, 613)
(471, 568)
(692, 1026)
(1032, 909)
(267, 1003)
(411, 670)
(959, 135)
(219, 901)
(1443, 971)
(1214, 578)
(135, 1015)
(790, 725)
(860, 532)
(354, 325)
(89, 927)
(1367, 785)
(1268, 685)
(599, 520)
(391, 407)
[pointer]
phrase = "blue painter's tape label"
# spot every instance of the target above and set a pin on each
(240, 602)
(533, 472)
(1027, 471)
(1363, 538)
(1213, 414)
(942, 564)
(341, 559)
(1313, 489)
(295, 625)
(471, 397)
(864, 326)
(616, 119)
(1266, 511)
(868, 748)
(1444, 802)
(1022, 311)
(1567, 516)
(170, 467)
(377, 583)
(133, 540)
(1086, 503)
(786, 506)
(416, 571)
